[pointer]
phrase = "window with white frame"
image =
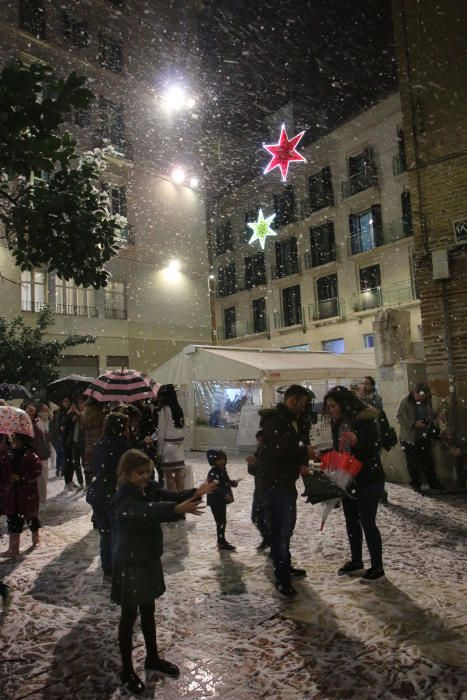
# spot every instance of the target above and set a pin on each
(74, 300)
(116, 300)
(368, 340)
(33, 290)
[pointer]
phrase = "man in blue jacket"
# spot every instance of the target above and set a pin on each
(283, 458)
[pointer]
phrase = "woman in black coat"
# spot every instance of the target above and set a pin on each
(106, 456)
(355, 430)
(137, 576)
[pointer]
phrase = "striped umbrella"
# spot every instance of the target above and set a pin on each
(125, 385)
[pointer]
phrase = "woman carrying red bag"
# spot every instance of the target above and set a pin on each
(354, 429)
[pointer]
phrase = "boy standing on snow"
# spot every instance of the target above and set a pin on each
(222, 496)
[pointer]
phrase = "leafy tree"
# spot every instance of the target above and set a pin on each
(62, 221)
(26, 356)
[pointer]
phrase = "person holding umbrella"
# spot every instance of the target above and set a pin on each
(40, 446)
(354, 428)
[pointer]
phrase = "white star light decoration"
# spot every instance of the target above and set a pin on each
(261, 229)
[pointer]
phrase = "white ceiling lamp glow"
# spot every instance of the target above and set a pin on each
(174, 267)
(176, 98)
(194, 182)
(178, 176)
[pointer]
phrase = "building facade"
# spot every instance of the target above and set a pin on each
(157, 299)
(343, 250)
(431, 55)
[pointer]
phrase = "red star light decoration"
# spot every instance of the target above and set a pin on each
(283, 153)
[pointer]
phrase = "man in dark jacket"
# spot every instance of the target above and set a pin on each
(282, 459)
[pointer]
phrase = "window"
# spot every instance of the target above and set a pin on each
(229, 323)
(321, 192)
(110, 54)
(366, 230)
(335, 345)
(328, 296)
(362, 172)
(368, 340)
(401, 150)
(250, 216)
(406, 213)
(223, 237)
(74, 300)
(32, 18)
(286, 258)
(117, 197)
(33, 290)
(291, 305)
(370, 287)
(226, 280)
(112, 124)
(284, 206)
(75, 30)
(322, 243)
(259, 315)
(82, 117)
(460, 231)
(255, 271)
(116, 301)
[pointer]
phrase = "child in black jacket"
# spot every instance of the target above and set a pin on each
(222, 496)
(137, 576)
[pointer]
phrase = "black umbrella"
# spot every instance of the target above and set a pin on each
(14, 391)
(319, 487)
(68, 387)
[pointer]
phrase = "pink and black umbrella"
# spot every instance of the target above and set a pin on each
(14, 420)
(125, 385)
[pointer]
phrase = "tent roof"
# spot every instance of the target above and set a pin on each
(208, 362)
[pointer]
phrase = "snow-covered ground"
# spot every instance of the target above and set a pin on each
(222, 621)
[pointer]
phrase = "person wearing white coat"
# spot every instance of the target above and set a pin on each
(170, 439)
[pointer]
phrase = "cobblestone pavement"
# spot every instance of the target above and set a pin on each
(222, 621)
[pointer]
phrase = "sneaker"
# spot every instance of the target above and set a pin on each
(298, 573)
(350, 568)
(162, 666)
(372, 575)
(286, 589)
(226, 546)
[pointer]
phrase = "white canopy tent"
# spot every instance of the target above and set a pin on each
(213, 379)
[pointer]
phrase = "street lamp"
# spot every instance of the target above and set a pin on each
(176, 98)
(178, 176)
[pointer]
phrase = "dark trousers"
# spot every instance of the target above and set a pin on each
(360, 518)
(104, 525)
(419, 461)
(219, 511)
(60, 458)
(125, 633)
(281, 513)
(16, 523)
(73, 463)
(258, 515)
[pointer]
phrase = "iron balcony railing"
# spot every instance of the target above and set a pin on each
(293, 317)
(399, 164)
(400, 293)
(126, 236)
(292, 267)
(240, 329)
(367, 177)
(377, 236)
(320, 257)
(326, 308)
(77, 310)
(116, 314)
(35, 306)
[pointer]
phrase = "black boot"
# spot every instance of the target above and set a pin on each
(132, 682)
(162, 666)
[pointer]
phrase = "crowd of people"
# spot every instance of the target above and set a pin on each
(132, 459)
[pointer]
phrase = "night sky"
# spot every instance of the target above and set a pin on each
(332, 57)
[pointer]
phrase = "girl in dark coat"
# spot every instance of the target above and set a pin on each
(222, 496)
(106, 456)
(354, 425)
(137, 576)
(20, 469)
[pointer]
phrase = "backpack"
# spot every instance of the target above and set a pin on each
(387, 434)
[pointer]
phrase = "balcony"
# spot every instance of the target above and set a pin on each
(399, 165)
(116, 314)
(74, 310)
(294, 317)
(360, 181)
(233, 289)
(34, 306)
(326, 308)
(400, 293)
(323, 257)
(376, 237)
(292, 267)
(126, 236)
(240, 329)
